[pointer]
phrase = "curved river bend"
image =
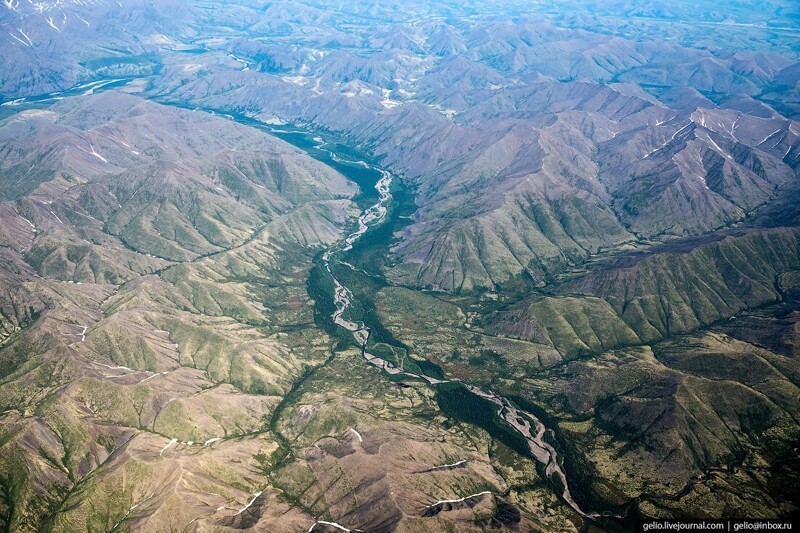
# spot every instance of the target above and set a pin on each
(525, 423)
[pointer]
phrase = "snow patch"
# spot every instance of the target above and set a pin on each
(32, 225)
(116, 367)
(170, 443)
(680, 130)
(18, 39)
(98, 156)
(768, 137)
(245, 64)
(27, 38)
(297, 80)
(332, 524)
(148, 378)
(357, 434)
(716, 146)
(453, 465)
(246, 507)
(13, 103)
(460, 499)
(52, 24)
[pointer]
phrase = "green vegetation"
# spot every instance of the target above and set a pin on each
(456, 401)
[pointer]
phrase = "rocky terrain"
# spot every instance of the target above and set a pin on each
(208, 324)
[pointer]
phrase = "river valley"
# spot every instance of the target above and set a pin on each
(526, 424)
(377, 201)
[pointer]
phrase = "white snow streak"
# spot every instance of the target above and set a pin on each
(148, 378)
(118, 368)
(27, 38)
(332, 524)
(29, 222)
(18, 101)
(459, 463)
(98, 156)
(460, 499)
(680, 130)
(357, 434)
(768, 137)
(246, 507)
(18, 39)
(170, 443)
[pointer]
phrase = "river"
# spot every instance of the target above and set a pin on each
(532, 429)
(525, 423)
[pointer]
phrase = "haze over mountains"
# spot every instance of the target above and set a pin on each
(594, 213)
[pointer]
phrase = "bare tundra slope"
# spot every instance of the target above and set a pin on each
(400, 266)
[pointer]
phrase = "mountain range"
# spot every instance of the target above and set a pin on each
(592, 212)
